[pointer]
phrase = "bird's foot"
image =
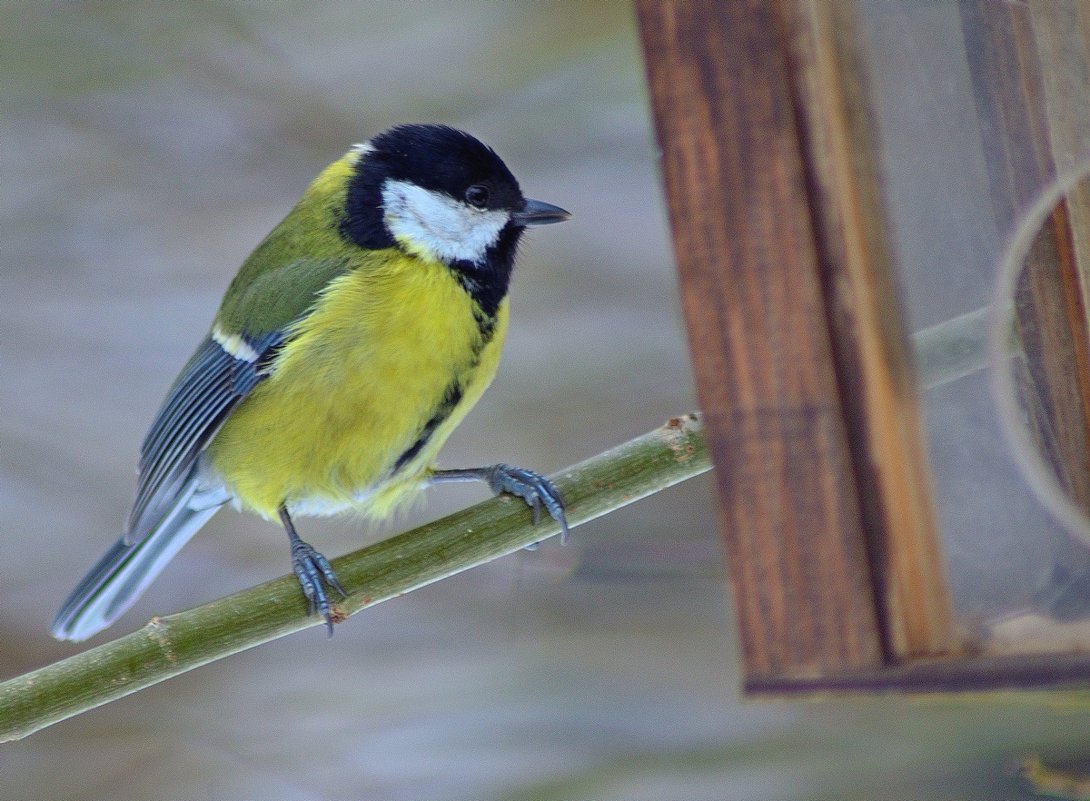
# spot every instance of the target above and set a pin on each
(312, 569)
(532, 487)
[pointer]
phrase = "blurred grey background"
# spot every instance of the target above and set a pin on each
(146, 148)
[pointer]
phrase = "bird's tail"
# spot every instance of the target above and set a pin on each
(126, 570)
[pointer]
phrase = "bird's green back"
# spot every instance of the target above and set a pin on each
(300, 256)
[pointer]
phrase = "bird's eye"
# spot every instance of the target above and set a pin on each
(477, 195)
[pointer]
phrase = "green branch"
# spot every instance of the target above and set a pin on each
(167, 646)
(171, 645)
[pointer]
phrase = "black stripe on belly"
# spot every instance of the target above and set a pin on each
(486, 327)
(451, 398)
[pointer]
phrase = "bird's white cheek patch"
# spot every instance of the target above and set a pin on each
(436, 225)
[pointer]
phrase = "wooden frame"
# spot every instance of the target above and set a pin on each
(801, 358)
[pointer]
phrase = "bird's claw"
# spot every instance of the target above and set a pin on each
(533, 488)
(311, 568)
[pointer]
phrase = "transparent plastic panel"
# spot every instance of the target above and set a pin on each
(979, 108)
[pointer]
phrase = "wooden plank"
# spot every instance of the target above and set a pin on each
(1062, 32)
(870, 343)
(968, 674)
(1010, 89)
(750, 271)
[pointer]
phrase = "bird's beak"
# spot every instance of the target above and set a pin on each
(537, 212)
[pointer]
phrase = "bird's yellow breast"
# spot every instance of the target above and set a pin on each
(368, 387)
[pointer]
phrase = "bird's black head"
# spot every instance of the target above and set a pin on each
(439, 193)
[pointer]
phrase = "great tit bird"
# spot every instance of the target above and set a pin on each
(352, 341)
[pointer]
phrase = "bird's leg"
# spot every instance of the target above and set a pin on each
(310, 568)
(533, 488)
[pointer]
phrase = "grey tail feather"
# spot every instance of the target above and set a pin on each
(125, 571)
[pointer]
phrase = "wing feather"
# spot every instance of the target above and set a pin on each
(211, 384)
(194, 379)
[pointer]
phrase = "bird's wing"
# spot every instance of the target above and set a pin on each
(210, 385)
(262, 305)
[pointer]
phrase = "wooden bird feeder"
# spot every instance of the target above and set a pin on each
(792, 158)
